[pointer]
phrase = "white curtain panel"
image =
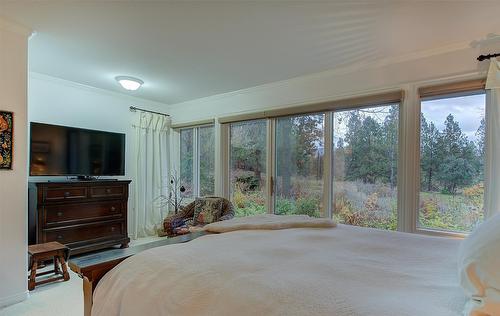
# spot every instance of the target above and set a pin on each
(492, 159)
(151, 179)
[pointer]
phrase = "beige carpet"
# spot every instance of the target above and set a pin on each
(57, 299)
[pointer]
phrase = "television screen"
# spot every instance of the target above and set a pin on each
(64, 151)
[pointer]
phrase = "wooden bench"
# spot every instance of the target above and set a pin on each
(91, 268)
(45, 252)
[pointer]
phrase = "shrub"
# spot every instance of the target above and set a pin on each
(307, 206)
(284, 206)
(248, 182)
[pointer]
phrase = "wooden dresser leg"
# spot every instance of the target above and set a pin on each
(124, 245)
(32, 280)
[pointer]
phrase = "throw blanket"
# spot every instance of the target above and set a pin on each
(346, 271)
(269, 221)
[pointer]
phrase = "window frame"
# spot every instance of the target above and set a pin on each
(426, 93)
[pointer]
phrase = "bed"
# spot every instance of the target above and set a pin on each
(343, 271)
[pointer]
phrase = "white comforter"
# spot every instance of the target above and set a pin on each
(341, 271)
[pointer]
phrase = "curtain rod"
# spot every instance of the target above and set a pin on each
(134, 109)
(484, 57)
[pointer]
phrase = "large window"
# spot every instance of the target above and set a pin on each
(365, 156)
(299, 165)
(248, 154)
(452, 134)
(356, 161)
(197, 160)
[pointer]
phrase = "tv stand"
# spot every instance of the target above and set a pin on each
(83, 215)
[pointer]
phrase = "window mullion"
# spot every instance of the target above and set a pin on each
(328, 165)
(196, 162)
(409, 166)
(271, 165)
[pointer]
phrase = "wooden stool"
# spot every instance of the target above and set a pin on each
(44, 252)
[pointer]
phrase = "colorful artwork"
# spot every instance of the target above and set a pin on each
(6, 139)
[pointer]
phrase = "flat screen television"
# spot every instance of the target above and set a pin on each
(68, 151)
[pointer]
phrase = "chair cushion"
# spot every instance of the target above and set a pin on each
(207, 210)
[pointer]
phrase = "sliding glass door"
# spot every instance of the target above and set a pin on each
(248, 166)
(299, 165)
(365, 156)
(340, 163)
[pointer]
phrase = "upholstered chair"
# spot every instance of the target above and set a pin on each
(186, 214)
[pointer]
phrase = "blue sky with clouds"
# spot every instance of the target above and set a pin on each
(467, 110)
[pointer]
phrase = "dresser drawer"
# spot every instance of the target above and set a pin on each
(67, 213)
(109, 191)
(65, 194)
(88, 232)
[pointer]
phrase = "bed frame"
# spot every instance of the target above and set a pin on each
(91, 268)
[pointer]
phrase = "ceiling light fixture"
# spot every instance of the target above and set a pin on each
(129, 83)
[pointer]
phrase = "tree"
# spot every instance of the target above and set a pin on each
(481, 139)
(458, 156)
(367, 160)
(390, 131)
(248, 148)
(298, 141)
(429, 155)
(456, 172)
(339, 159)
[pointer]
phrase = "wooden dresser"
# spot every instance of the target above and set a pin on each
(85, 216)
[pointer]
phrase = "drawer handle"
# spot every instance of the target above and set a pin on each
(59, 237)
(113, 208)
(66, 194)
(113, 229)
(108, 191)
(59, 214)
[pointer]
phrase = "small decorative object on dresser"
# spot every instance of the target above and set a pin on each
(83, 215)
(6, 139)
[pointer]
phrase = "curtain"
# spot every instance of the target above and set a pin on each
(151, 172)
(492, 144)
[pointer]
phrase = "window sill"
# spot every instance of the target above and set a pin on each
(440, 233)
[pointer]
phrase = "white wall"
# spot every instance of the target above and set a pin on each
(454, 60)
(13, 185)
(56, 101)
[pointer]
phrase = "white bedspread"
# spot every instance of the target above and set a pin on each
(343, 271)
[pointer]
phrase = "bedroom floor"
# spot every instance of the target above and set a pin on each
(60, 298)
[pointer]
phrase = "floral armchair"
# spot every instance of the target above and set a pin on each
(186, 216)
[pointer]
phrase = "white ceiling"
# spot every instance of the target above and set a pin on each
(187, 50)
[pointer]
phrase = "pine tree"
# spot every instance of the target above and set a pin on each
(390, 132)
(459, 165)
(429, 155)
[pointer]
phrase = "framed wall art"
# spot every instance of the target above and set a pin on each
(6, 139)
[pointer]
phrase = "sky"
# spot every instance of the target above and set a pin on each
(467, 110)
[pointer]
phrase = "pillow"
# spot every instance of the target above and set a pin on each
(207, 210)
(479, 269)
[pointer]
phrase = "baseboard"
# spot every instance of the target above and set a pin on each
(13, 299)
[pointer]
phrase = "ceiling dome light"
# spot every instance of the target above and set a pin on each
(129, 83)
